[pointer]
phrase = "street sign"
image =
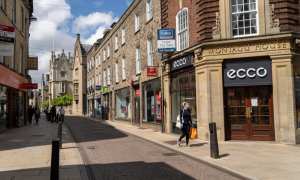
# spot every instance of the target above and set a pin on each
(29, 86)
(7, 33)
(151, 71)
(166, 40)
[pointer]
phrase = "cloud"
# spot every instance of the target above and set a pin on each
(49, 32)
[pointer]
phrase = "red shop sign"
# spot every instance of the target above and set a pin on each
(151, 71)
(137, 92)
(28, 86)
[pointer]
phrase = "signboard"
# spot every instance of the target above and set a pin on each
(182, 62)
(98, 87)
(166, 40)
(247, 73)
(32, 63)
(29, 86)
(7, 34)
(104, 89)
(151, 71)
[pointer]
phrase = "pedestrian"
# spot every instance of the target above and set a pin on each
(53, 113)
(186, 121)
(61, 114)
(37, 114)
(30, 114)
(57, 116)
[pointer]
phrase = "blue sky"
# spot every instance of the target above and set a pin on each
(58, 21)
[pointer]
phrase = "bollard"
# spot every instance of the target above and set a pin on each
(59, 134)
(54, 174)
(214, 147)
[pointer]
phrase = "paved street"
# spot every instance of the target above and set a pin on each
(110, 154)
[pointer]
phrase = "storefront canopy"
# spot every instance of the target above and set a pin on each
(10, 78)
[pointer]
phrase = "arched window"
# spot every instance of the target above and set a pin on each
(182, 29)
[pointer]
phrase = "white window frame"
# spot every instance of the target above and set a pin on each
(180, 31)
(244, 12)
(104, 78)
(117, 72)
(104, 55)
(149, 10)
(149, 52)
(116, 43)
(123, 69)
(108, 76)
(136, 22)
(137, 60)
(123, 38)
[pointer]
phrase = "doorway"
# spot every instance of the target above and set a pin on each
(249, 113)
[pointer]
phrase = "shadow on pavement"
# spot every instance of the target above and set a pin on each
(116, 171)
(91, 130)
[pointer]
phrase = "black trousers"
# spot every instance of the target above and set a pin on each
(185, 132)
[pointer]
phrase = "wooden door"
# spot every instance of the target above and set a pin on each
(249, 113)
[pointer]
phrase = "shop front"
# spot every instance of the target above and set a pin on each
(248, 99)
(123, 104)
(182, 88)
(152, 102)
(3, 108)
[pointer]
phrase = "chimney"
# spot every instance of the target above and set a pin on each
(78, 36)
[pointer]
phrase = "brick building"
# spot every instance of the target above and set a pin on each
(237, 64)
(15, 19)
(126, 67)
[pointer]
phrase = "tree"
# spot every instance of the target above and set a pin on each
(65, 100)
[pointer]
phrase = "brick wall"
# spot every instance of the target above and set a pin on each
(288, 13)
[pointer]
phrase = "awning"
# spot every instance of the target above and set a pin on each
(10, 78)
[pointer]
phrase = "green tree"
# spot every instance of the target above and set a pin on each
(65, 100)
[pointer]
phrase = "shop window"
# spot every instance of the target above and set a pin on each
(3, 107)
(182, 29)
(123, 105)
(244, 17)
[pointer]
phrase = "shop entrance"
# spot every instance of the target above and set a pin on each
(249, 113)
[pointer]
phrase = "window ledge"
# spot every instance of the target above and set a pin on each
(149, 20)
(137, 31)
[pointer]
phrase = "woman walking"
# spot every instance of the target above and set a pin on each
(37, 114)
(186, 121)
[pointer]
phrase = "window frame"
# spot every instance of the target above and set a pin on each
(150, 52)
(149, 10)
(257, 21)
(123, 38)
(116, 43)
(184, 31)
(136, 23)
(123, 69)
(138, 61)
(117, 72)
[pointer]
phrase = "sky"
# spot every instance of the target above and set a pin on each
(58, 22)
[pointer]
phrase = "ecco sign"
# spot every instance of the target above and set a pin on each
(243, 73)
(182, 62)
(248, 73)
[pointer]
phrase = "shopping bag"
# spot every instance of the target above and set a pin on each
(193, 133)
(178, 123)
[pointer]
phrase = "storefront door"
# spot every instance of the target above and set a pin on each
(249, 113)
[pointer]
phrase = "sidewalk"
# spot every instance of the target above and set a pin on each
(25, 154)
(255, 160)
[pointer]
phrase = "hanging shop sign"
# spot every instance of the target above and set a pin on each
(28, 86)
(98, 87)
(32, 63)
(104, 89)
(166, 40)
(182, 62)
(247, 73)
(7, 33)
(151, 71)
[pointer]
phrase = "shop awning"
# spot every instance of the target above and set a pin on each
(10, 78)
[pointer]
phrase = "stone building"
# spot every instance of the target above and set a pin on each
(15, 19)
(238, 66)
(79, 106)
(126, 67)
(60, 71)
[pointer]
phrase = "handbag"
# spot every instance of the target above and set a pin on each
(193, 133)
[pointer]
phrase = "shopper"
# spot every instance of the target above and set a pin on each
(186, 121)
(53, 113)
(30, 114)
(61, 114)
(37, 114)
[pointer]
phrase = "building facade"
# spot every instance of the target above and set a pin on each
(126, 68)
(241, 59)
(60, 71)
(79, 105)
(15, 19)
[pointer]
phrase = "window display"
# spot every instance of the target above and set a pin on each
(123, 105)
